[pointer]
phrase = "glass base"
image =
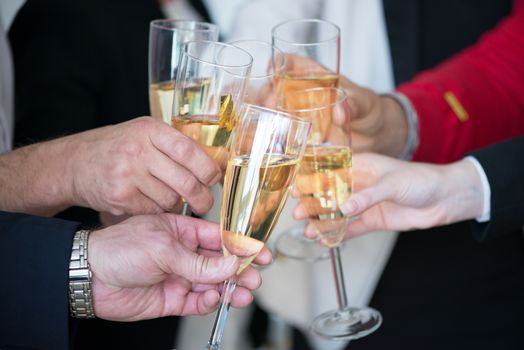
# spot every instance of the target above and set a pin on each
(293, 244)
(346, 324)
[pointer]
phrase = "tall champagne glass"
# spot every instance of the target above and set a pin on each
(266, 148)
(269, 63)
(209, 90)
(324, 182)
(312, 49)
(166, 39)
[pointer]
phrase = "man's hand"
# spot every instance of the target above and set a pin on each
(154, 266)
(140, 166)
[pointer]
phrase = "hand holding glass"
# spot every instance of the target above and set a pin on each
(312, 49)
(265, 151)
(324, 183)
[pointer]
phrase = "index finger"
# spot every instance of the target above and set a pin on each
(186, 152)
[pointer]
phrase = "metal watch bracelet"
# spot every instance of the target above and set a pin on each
(80, 296)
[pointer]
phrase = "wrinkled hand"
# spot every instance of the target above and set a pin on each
(396, 195)
(140, 166)
(155, 266)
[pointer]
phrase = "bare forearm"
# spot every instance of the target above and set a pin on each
(36, 179)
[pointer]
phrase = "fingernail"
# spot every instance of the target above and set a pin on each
(349, 207)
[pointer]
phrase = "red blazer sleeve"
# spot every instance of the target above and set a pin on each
(475, 98)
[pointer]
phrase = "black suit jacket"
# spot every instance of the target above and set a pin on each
(442, 287)
(34, 265)
(505, 172)
(80, 65)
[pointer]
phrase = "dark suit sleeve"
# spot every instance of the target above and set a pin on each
(504, 167)
(59, 69)
(34, 265)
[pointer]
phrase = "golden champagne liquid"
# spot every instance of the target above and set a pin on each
(192, 98)
(252, 201)
(210, 131)
(294, 81)
(324, 182)
(291, 101)
(206, 130)
(161, 100)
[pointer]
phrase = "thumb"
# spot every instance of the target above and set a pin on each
(366, 198)
(206, 269)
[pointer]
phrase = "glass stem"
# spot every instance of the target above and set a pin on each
(222, 313)
(186, 209)
(338, 275)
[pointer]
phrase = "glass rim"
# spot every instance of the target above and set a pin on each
(306, 20)
(340, 92)
(160, 24)
(272, 47)
(279, 113)
(218, 65)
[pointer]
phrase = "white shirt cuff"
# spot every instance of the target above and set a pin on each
(486, 190)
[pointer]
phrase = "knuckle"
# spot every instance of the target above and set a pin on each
(200, 266)
(143, 123)
(184, 149)
(191, 186)
(169, 201)
(131, 148)
(121, 170)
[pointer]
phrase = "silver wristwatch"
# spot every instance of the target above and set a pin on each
(80, 297)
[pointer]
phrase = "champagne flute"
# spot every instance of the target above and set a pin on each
(266, 148)
(209, 90)
(269, 62)
(312, 49)
(324, 182)
(166, 40)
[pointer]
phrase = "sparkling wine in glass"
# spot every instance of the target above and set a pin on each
(266, 149)
(324, 182)
(312, 50)
(166, 39)
(209, 90)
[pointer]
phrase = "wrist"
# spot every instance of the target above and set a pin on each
(80, 291)
(464, 192)
(394, 134)
(55, 182)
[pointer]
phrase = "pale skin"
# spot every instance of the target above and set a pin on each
(394, 195)
(136, 167)
(160, 265)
